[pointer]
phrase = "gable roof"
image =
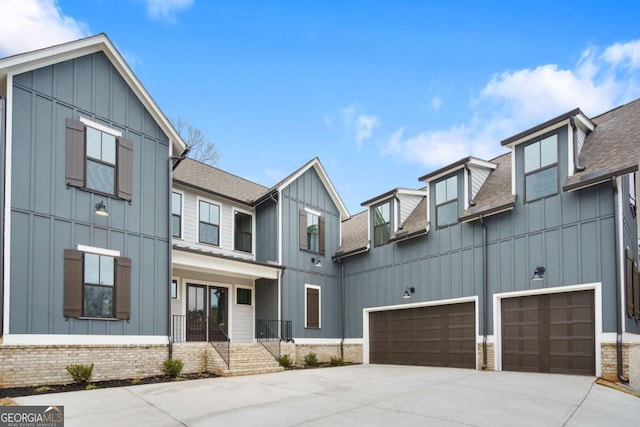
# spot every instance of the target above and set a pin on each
(416, 223)
(313, 163)
(522, 136)
(611, 149)
(394, 192)
(212, 180)
(448, 169)
(29, 61)
(495, 194)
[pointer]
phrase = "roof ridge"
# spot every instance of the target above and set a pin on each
(225, 171)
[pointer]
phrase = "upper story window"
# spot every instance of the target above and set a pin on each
(209, 223)
(243, 235)
(541, 168)
(176, 214)
(382, 224)
(447, 201)
(98, 159)
(311, 230)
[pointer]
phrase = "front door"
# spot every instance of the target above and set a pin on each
(218, 314)
(196, 316)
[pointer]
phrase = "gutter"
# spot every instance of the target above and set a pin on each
(2, 146)
(619, 310)
(175, 160)
(484, 292)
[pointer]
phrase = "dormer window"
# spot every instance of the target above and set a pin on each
(447, 201)
(382, 224)
(541, 168)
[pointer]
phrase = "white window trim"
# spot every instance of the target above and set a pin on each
(173, 190)
(233, 234)
(198, 199)
(235, 296)
(99, 251)
(100, 127)
(177, 280)
(307, 286)
(186, 282)
(312, 211)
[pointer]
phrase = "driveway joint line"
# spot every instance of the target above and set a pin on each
(155, 407)
(579, 404)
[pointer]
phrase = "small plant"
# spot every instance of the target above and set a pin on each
(311, 359)
(80, 374)
(172, 367)
(336, 361)
(91, 387)
(136, 381)
(43, 389)
(285, 361)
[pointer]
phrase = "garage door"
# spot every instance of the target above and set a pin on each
(549, 333)
(443, 335)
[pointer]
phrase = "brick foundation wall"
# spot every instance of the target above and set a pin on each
(26, 365)
(193, 354)
(630, 362)
(324, 352)
(490, 358)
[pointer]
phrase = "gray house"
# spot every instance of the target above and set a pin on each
(526, 262)
(86, 237)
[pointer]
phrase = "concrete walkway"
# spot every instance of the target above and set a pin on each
(355, 395)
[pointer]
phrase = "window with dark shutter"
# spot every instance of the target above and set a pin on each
(322, 232)
(302, 229)
(123, 288)
(311, 228)
(73, 281)
(636, 292)
(313, 307)
(125, 169)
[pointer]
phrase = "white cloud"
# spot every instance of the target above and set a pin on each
(33, 24)
(513, 101)
(166, 9)
(436, 103)
(364, 127)
(360, 125)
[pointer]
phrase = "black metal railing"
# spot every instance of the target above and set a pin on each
(201, 328)
(270, 333)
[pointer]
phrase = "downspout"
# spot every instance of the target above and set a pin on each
(4, 159)
(174, 161)
(576, 155)
(484, 292)
(618, 228)
(342, 307)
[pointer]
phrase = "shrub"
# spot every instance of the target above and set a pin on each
(91, 387)
(43, 389)
(311, 359)
(172, 367)
(80, 374)
(336, 361)
(285, 361)
(136, 381)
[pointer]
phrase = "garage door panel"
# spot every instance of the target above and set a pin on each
(558, 336)
(428, 336)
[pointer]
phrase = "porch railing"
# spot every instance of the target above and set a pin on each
(201, 328)
(270, 333)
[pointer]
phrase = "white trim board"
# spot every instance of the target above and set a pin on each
(63, 339)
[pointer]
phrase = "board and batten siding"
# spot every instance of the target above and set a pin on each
(190, 220)
(267, 231)
(570, 234)
(309, 191)
(47, 217)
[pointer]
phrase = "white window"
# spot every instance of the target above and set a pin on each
(101, 160)
(541, 168)
(447, 201)
(209, 223)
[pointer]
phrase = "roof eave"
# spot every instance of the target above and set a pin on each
(599, 179)
(520, 137)
(487, 212)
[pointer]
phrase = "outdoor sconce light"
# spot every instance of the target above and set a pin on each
(101, 209)
(316, 262)
(538, 274)
(408, 292)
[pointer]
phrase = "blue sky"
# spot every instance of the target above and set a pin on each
(381, 91)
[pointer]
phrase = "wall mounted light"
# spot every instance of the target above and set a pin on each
(538, 273)
(408, 292)
(316, 262)
(101, 209)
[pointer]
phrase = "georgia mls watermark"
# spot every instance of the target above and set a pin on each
(31, 416)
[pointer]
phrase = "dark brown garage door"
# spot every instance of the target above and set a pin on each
(549, 333)
(443, 335)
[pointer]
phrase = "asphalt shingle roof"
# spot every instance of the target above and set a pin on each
(354, 234)
(416, 223)
(216, 181)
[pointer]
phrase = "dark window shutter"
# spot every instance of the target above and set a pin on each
(303, 229)
(75, 156)
(125, 168)
(72, 283)
(313, 308)
(123, 288)
(629, 286)
(636, 292)
(321, 231)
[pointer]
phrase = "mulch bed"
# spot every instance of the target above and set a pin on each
(59, 388)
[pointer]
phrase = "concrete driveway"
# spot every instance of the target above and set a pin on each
(355, 395)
